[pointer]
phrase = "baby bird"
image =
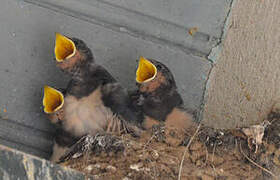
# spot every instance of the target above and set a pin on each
(158, 98)
(53, 102)
(94, 101)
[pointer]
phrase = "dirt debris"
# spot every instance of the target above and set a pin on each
(251, 153)
(255, 134)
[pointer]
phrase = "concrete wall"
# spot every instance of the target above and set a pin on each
(118, 32)
(244, 82)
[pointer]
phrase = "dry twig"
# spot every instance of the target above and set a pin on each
(186, 149)
(259, 166)
(213, 152)
(149, 141)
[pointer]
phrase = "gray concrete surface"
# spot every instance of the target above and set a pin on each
(118, 32)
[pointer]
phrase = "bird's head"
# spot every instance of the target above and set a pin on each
(71, 53)
(152, 75)
(53, 100)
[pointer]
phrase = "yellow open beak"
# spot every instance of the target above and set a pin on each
(146, 71)
(64, 47)
(53, 100)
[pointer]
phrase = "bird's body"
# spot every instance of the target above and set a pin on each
(93, 102)
(159, 99)
(93, 99)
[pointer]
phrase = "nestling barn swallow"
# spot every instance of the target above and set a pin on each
(94, 101)
(158, 97)
(53, 102)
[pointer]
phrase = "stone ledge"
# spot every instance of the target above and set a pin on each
(19, 165)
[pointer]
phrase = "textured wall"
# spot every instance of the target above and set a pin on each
(18, 165)
(118, 32)
(244, 82)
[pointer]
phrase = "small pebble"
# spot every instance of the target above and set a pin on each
(126, 178)
(154, 154)
(111, 168)
(89, 168)
(136, 166)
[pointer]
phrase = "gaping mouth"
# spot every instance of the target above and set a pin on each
(53, 100)
(146, 71)
(64, 47)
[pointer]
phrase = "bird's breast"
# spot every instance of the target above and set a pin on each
(86, 115)
(180, 119)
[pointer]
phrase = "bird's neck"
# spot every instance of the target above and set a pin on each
(88, 79)
(80, 71)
